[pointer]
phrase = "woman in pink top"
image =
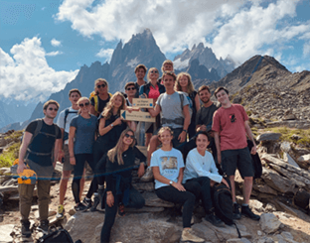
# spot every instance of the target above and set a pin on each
(152, 90)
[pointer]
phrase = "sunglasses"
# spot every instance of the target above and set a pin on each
(53, 109)
(82, 105)
(129, 136)
(154, 71)
(99, 86)
(132, 88)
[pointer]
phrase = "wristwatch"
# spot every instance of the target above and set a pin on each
(184, 130)
(111, 124)
(171, 183)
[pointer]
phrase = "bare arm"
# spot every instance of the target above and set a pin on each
(22, 152)
(197, 102)
(217, 144)
(58, 145)
(187, 120)
(132, 125)
(71, 144)
(154, 112)
(250, 136)
(103, 130)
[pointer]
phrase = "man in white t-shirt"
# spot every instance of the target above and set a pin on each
(63, 122)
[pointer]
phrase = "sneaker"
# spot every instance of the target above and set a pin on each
(87, 202)
(26, 232)
(61, 212)
(80, 207)
(236, 211)
(148, 176)
(213, 219)
(96, 202)
(188, 235)
(43, 226)
(246, 211)
(121, 210)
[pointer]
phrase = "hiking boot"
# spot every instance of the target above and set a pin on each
(246, 211)
(148, 176)
(121, 210)
(236, 211)
(26, 232)
(87, 202)
(188, 235)
(80, 207)
(61, 212)
(96, 202)
(43, 226)
(213, 219)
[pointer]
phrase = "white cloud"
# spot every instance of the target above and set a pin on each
(26, 75)
(55, 42)
(306, 50)
(105, 53)
(53, 53)
(239, 28)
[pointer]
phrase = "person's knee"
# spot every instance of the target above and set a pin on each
(248, 180)
(140, 203)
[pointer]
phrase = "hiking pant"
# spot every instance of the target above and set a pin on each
(135, 201)
(187, 199)
(80, 160)
(200, 187)
(26, 196)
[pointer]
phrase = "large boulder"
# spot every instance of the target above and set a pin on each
(269, 223)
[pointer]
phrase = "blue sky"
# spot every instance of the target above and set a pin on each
(43, 43)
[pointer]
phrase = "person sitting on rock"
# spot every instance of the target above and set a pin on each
(230, 126)
(120, 161)
(200, 173)
(168, 166)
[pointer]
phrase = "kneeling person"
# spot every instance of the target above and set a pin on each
(200, 174)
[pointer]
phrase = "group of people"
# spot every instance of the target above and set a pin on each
(92, 131)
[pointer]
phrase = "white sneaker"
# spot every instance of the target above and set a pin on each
(188, 235)
(148, 176)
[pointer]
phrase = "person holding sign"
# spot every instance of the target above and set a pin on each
(151, 90)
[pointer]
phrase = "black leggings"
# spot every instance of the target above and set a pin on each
(80, 160)
(200, 187)
(135, 201)
(187, 199)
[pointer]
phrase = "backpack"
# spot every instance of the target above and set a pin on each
(67, 112)
(56, 235)
(223, 204)
(96, 100)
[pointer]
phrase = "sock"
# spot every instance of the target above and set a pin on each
(245, 205)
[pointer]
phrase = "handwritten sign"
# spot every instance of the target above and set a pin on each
(137, 116)
(142, 103)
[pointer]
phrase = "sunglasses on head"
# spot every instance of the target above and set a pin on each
(100, 85)
(53, 109)
(131, 88)
(154, 71)
(82, 105)
(129, 136)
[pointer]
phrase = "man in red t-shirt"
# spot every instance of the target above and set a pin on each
(230, 126)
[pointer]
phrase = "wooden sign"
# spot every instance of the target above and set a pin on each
(142, 103)
(137, 116)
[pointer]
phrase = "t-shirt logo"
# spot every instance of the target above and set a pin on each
(169, 163)
(232, 118)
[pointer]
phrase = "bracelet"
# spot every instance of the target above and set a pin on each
(184, 130)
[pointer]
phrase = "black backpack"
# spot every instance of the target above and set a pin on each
(56, 235)
(223, 204)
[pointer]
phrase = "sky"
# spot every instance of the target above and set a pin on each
(43, 43)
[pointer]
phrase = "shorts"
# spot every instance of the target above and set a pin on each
(66, 160)
(150, 129)
(237, 158)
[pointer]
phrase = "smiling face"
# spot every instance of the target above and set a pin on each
(204, 96)
(202, 142)
(51, 111)
(168, 82)
(74, 97)
(140, 73)
(153, 74)
(84, 105)
(130, 91)
(128, 138)
(118, 101)
(102, 87)
(183, 81)
(222, 97)
(165, 137)
(168, 67)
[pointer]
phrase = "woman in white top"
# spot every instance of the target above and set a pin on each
(168, 165)
(200, 174)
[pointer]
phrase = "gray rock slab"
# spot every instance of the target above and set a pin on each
(276, 181)
(269, 223)
(270, 136)
(304, 158)
(238, 240)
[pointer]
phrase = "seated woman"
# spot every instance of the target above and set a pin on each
(201, 173)
(120, 162)
(81, 139)
(168, 165)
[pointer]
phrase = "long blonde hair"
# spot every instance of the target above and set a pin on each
(190, 87)
(117, 151)
(108, 110)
